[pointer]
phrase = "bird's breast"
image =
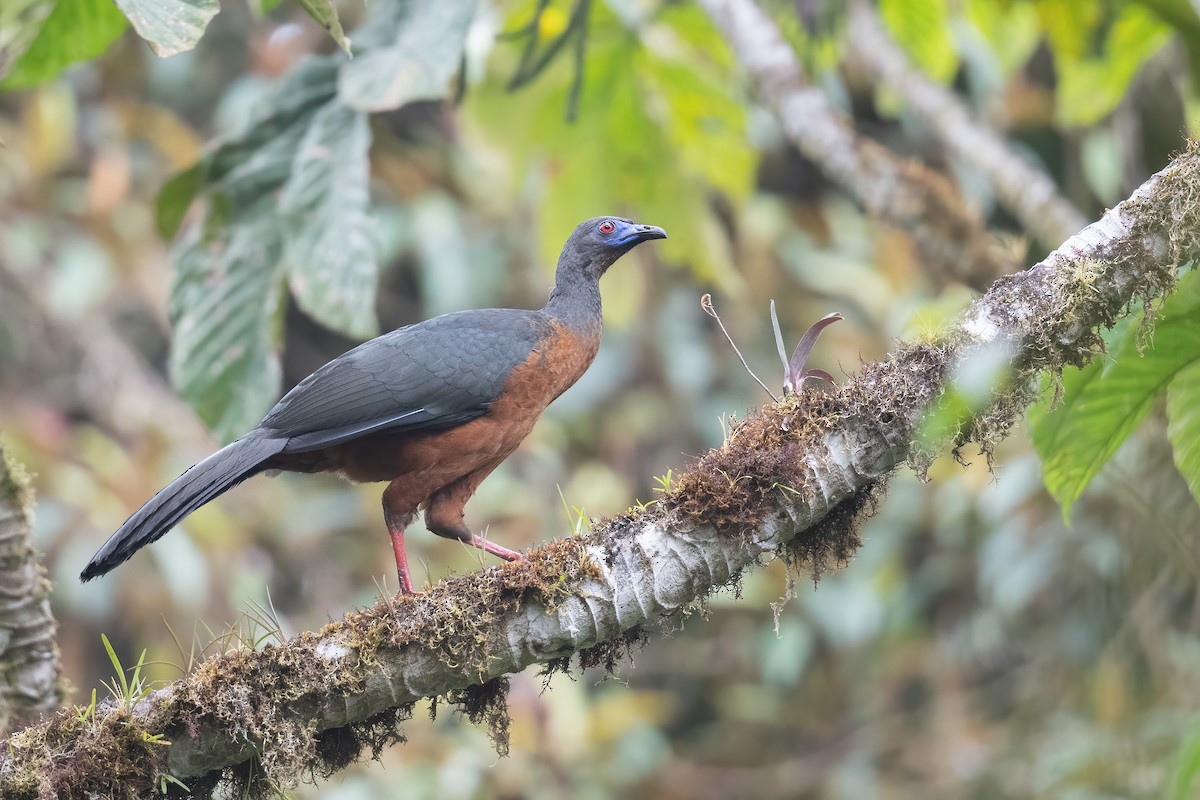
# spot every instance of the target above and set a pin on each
(553, 366)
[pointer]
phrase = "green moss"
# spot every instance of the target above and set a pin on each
(105, 751)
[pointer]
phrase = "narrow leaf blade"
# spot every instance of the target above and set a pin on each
(787, 376)
(808, 341)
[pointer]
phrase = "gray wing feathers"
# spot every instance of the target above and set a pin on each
(437, 374)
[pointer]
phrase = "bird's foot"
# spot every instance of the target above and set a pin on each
(496, 550)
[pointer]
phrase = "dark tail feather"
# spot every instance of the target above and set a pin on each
(214, 475)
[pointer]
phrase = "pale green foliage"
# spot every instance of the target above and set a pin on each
(657, 126)
(1103, 403)
(409, 51)
(1011, 29)
(922, 28)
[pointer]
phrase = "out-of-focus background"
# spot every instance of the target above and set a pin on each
(976, 647)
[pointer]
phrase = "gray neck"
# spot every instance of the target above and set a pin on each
(575, 300)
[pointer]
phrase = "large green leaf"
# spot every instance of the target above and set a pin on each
(75, 30)
(228, 280)
(257, 159)
(409, 51)
(922, 28)
(170, 26)
(1103, 403)
(1183, 424)
(330, 251)
(223, 295)
(1086, 429)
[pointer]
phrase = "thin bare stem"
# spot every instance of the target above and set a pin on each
(707, 305)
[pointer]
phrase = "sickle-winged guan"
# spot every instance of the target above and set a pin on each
(432, 408)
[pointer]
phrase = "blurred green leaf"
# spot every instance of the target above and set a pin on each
(20, 23)
(331, 251)
(170, 26)
(325, 13)
(1091, 87)
(1103, 403)
(1181, 782)
(1069, 24)
(922, 28)
(75, 30)
(174, 199)
(223, 294)
(409, 51)
(656, 134)
(1183, 424)
(1011, 29)
(260, 8)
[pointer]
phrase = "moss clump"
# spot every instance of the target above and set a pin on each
(780, 448)
(109, 753)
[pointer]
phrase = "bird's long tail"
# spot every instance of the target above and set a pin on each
(214, 475)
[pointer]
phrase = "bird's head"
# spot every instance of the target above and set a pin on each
(600, 241)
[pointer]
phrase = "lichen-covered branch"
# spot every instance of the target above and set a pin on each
(792, 481)
(30, 671)
(950, 234)
(1024, 189)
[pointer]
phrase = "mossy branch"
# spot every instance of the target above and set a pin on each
(791, 481)
(902, 192)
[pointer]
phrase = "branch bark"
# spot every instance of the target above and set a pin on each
(30, 670)
(1024, 189)
(902, 192)
(790, 482)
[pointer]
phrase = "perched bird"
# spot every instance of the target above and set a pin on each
(432, 408)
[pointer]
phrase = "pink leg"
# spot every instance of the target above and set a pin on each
(397, 513)
(402, 570)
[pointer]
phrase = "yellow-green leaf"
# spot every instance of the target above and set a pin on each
(922, 28)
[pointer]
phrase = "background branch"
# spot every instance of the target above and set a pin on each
(30, 670)
(792, 481)
(903, 192)
(1025, 190)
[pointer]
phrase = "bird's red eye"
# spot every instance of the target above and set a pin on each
(607, 227)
